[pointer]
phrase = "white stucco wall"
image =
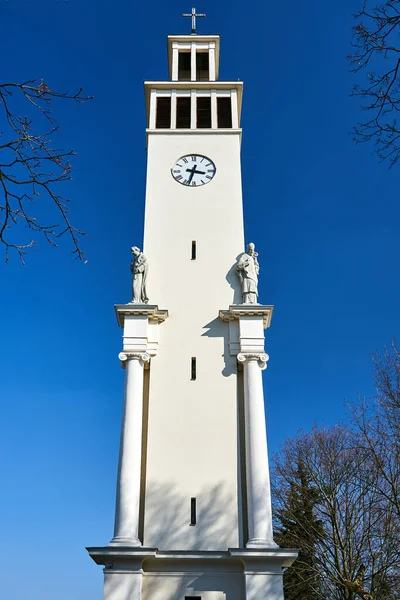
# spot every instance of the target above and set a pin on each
(173, 586)
(192, 434)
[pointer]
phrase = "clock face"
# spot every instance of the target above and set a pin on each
(193, 170)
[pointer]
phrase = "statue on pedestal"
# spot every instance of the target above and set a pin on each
(248, 268)
(139, 269)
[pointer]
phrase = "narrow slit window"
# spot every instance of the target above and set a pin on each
(192, 597)
(203, 113)
(193, 511)
(183, 113)
(193, 369)
(193, 250)
(184, 66)
(202, 66)
(163, 114)
(224, 113)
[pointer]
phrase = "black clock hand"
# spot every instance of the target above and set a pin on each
(193, 172)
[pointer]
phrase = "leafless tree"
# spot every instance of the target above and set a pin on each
(378, 423)
(376, 46)
(356, 553)
(31, 169)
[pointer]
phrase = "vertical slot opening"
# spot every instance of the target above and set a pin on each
(193, 511)
(193, 250)
(183, 113)
(163, 113)
(193, 369)
(224, 113)
(184, 66)
(204, 113)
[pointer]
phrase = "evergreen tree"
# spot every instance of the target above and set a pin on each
(297, 527)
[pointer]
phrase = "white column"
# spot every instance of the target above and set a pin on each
(214, 116)
(234, 106)
(211, 61)
(257, 470)
(175, 62)
(173, 109)
(153, 109)
(193, 61)
(193, 109)
(126, 531)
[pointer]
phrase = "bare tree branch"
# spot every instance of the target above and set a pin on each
(31, 169)
(376, 47)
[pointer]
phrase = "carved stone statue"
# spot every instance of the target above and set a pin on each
(139, 268)
(248, 268)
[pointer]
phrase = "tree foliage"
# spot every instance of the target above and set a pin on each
(31, 169)
(298, 527)
(376, 48)
(343, 505)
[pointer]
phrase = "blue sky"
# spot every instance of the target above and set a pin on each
(323, 213)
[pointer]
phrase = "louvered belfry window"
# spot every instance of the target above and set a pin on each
(203, 113)
(224, 113)
(184, 66)
(163, 115)
(202, 66)
(183, 113)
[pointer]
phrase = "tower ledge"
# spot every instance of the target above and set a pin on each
(105, 555)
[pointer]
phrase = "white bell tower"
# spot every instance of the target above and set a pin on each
(193, 512)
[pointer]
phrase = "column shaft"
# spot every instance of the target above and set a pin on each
(257, 469)
(126, 529)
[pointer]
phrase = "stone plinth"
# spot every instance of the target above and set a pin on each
(152, 574)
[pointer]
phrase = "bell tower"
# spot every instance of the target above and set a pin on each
(193, 511)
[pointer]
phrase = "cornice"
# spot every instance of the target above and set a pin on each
(194, 131)
(150, 310)
(193, 85)
(236, 311)
(263, 556)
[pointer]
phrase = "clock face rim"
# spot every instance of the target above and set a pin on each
(187, 185)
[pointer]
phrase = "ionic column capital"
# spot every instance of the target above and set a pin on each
(260, 358)
(142, 357)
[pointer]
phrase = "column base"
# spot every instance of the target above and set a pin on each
(125, 541)
(261, 543)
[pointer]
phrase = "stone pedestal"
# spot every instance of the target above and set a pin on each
(152, 574)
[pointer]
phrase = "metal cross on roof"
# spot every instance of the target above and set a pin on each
(194, 15)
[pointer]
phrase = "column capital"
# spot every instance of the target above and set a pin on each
(142, 357)
(261, 358)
